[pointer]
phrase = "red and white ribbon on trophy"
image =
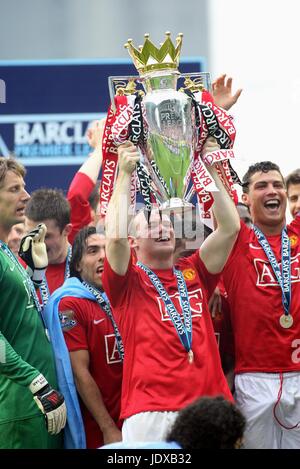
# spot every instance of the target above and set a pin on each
(115, 133)
(212, 121)
(128, 122)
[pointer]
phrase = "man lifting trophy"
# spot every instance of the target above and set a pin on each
(169, 127)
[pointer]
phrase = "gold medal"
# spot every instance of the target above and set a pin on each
(191, 356)
(286, 321)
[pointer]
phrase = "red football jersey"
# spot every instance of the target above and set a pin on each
(88, 328)
(78, 195)
(157, 373)
(55, 276)
(223, 331)
(255, 301)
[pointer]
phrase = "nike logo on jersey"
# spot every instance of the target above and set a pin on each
(97, 321)
(254, 247)
(11, 268)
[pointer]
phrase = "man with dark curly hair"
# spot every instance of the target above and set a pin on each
(208, 423)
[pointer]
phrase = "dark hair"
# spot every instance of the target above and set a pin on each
(78, 248)
(241, 204)
(209, 422)
(10, 164)
(262, 166)
(49, 204)
(293, 178)
(94, 197)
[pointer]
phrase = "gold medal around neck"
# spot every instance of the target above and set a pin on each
(191, 356)
(286, 321)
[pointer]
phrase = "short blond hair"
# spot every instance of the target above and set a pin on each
(10, 164)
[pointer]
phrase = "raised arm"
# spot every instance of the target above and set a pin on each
(84, 181)
(92, 165)
(215, 250)
(117, 217)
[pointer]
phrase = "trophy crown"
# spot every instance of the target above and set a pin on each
(148, 58)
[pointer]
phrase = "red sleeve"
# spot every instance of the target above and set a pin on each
(78, 195)
(73, 325)
(222, 324)
(116, 286)
(242, 240)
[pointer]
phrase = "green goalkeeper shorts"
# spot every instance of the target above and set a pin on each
(30, 433)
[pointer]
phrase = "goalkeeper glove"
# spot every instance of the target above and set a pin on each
(51, 403)
(34, 253)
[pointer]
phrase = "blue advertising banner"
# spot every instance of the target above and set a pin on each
(47, 106)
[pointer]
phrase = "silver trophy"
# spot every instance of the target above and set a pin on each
(167, 153)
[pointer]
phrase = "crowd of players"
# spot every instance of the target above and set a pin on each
(106, 337)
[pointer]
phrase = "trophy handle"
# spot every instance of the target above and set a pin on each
(123, 85)
(133, 83)
(196, 81)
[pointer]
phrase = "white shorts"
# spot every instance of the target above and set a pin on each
(268, 411)
(147, 426)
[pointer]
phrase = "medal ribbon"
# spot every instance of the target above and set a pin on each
(284, 278)
(105, 306)
(183, 329)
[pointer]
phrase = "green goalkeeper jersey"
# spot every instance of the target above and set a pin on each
(25, 350)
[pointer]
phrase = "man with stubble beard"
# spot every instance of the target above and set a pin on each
(93, 341)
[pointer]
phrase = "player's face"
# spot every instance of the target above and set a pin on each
(56, 240)
(294, 199)
(156, 238)
(13, 199)
(90, 266)
(267, 199)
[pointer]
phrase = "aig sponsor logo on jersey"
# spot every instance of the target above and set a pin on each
(266, 276)
(195, 298)
(111, 349)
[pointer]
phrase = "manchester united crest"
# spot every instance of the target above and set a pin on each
(189, 274)
(293, 240)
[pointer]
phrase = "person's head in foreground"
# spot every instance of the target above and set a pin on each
(209, 422)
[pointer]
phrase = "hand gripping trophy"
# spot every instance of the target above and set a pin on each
(169, 126)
